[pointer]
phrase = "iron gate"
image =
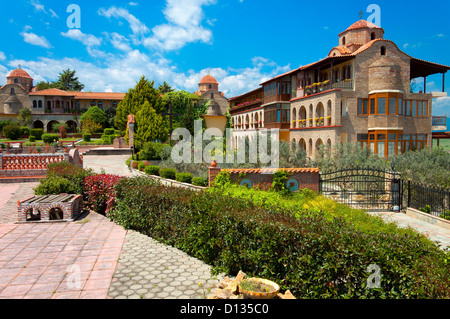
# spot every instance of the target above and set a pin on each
(363, 188)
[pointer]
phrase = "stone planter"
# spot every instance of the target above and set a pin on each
(261, 288)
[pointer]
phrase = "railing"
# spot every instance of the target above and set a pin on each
(431, 200)
(324, 86)
(32, 161)
(439, 120)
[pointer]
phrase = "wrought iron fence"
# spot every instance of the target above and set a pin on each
(374, 189)
(363, 188)
(429, 199)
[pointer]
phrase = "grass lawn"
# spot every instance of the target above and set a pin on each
(444, 143)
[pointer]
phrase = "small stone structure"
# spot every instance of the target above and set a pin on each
(63, 207)
(229, 289)
(298, 179)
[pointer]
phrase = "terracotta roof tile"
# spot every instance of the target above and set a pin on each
(270, 170)
(80, 95)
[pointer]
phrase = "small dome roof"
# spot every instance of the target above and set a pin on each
(362, 24)
(19, 73)
(208, 79)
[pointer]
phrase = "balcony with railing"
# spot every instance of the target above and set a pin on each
(315, 88)
(439, 123)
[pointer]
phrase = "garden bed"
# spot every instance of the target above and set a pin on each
(310, 251)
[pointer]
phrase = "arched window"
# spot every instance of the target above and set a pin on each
(343, 40)
(16, 81)
(383, 50)
(210, 86)
(34, 104)
(372, 36)
(40, 104)
(13, 91)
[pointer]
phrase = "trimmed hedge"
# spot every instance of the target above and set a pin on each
(303, 251)
(184, 177)
(200, 181)
(169, 173)
(13, 132)
(151, 170)
(50, 138)
(37, 133)
(87, 137)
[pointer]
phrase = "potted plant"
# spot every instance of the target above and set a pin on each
(258, 288)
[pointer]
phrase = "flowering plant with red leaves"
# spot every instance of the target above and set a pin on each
(99, 192)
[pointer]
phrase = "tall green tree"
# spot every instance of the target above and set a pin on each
(25, 118)
(150, 126)
(188, 106)
(67, 81)
(135, 99)
(165, 88)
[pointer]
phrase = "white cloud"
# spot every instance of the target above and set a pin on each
(119, 41)
(34, 39)
(138, 28)
(88, 40)
(41, 8)
(441, 106)
(2, 56)
(121, 72)
(184, 19)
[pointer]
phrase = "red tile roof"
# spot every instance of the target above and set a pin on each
(80, 95)
(271, 170)
(19, 73)
(208, 79)
(362, 24)
(52, 92)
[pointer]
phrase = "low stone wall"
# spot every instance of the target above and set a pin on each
(299, 178)
(441, 222)
(171, 182)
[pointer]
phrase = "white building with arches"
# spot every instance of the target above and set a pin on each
(49, 106)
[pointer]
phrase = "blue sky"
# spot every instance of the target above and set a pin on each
(240, 42)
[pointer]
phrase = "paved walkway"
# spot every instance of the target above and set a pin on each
(435, 233)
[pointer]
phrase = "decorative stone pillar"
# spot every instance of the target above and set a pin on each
(213, 171)
(131, 121)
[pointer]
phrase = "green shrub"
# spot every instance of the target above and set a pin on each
(37, 132)
(169, 173)
(200, 181)
(25, 131)
(32, 138)
(279, 180)
(313, 256)
(151, 170)
(13, 132)
(142, 165)
(108, 131)
(50, 138)
(222, 179)
(75, 174)
(184, 177)
(87, 137)
(151, 151)
(108, 139)
(55, 185)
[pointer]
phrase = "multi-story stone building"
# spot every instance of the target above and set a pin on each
(360, 93)
(51, 105)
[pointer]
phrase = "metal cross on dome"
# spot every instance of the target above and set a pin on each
(361, 14)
